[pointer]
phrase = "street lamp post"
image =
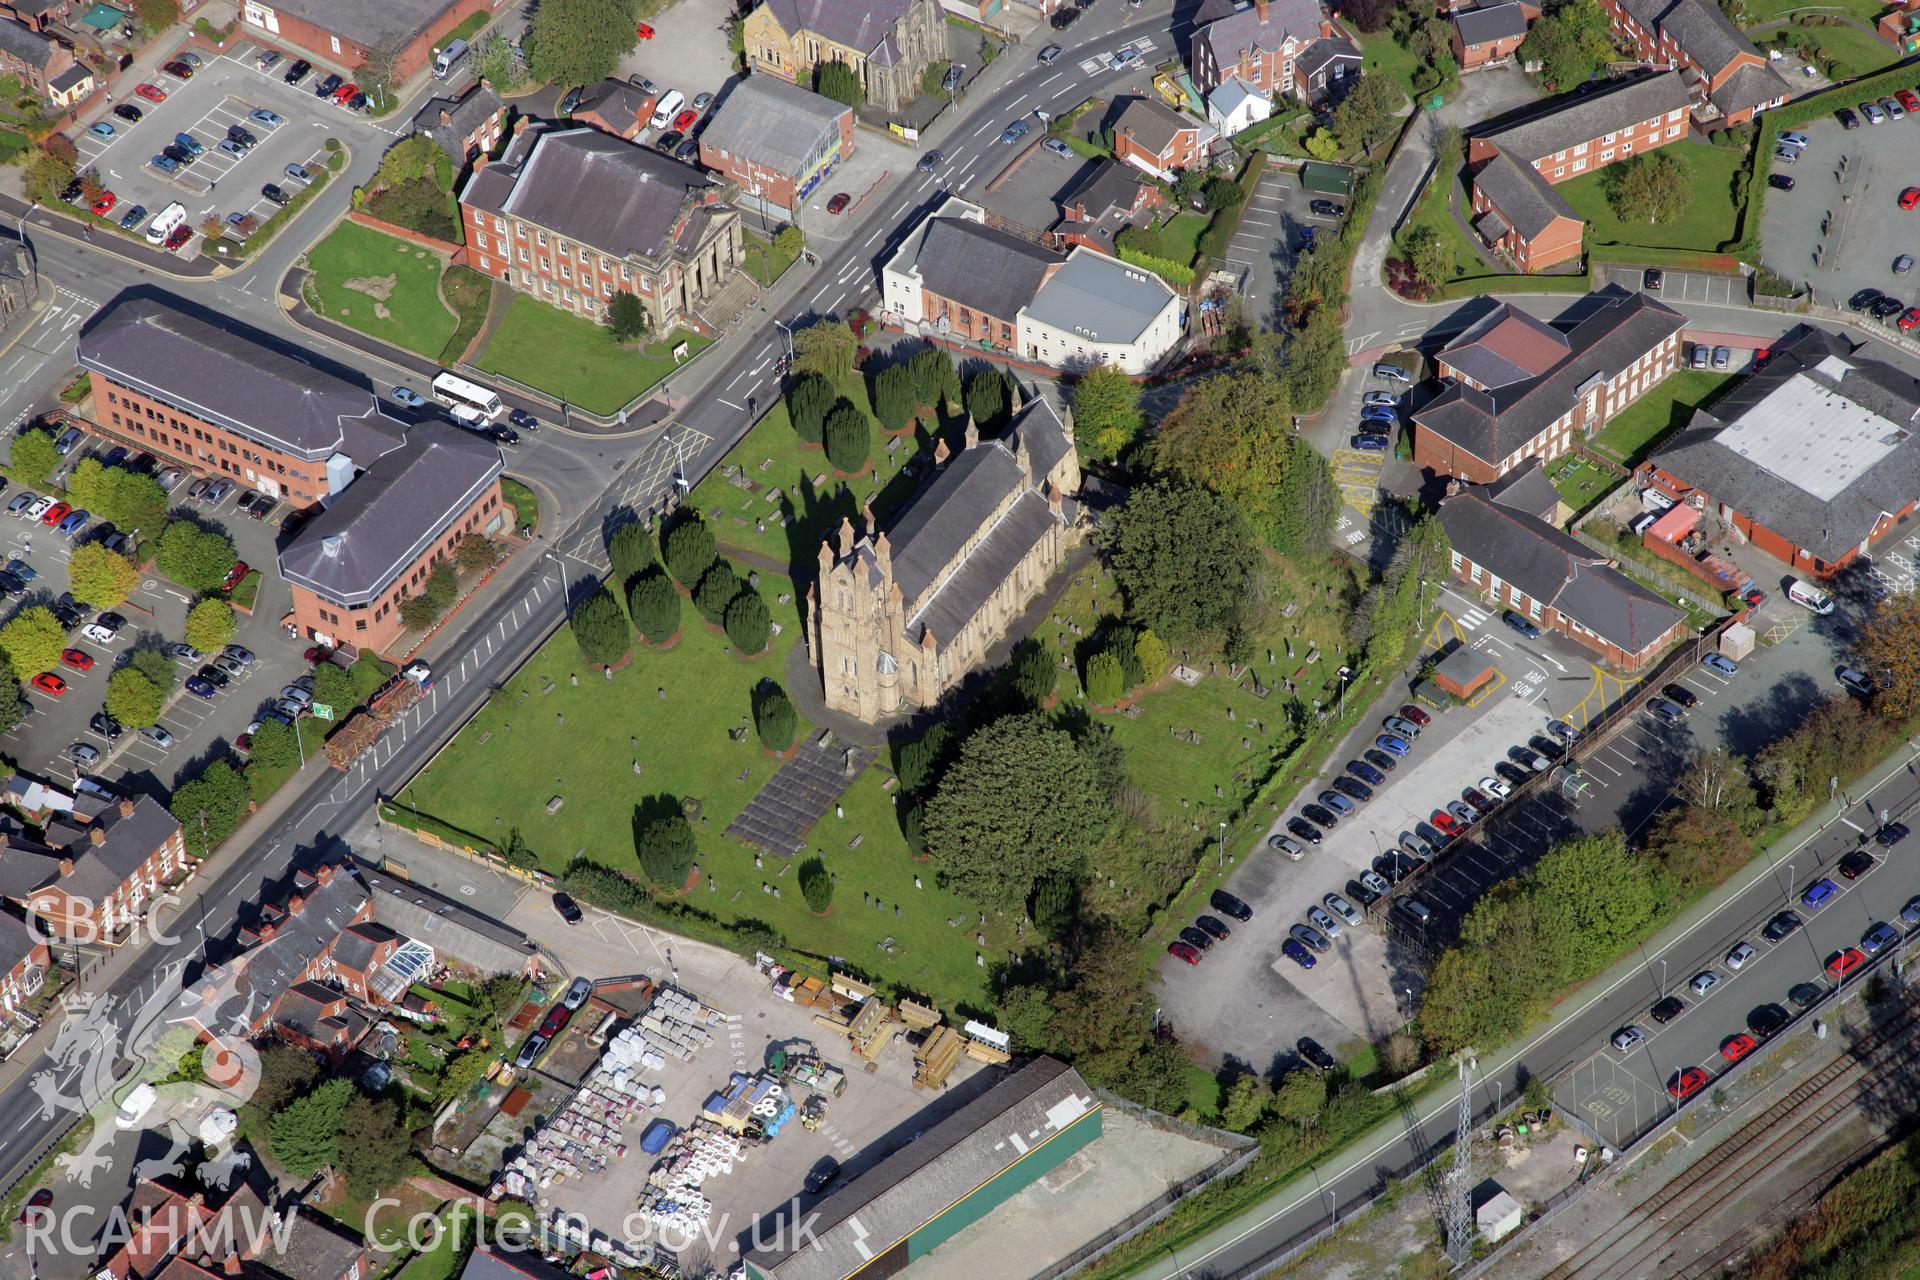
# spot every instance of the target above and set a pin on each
(1663, 978)
(788, 330)
(33, 259)
(1223, 844)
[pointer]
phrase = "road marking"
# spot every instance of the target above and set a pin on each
(882, 230)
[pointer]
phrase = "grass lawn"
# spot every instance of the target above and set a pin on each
(772, 458)
(1853, 52)
(469, 292)
(574, 359)
(1384, 57)
(1433, 211)
(1759, 12)
(764, 262)
(1181, 236)
(471, 27)
(684, 750)
(411, 316)
(455, 1239)
(1579, 481)
(1631, 435)
(1709, 221)
(526, 506)
(12, 145)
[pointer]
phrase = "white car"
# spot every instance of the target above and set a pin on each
(98, 634)
(1496, 787)
(1741, 953)
(577, 993)
(36, 508)
(135, 1107)
(1387, 398)
(294, 693)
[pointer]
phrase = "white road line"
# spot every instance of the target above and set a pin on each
(983, 128)
(1049, 80)
(879, 231)
(731, 405)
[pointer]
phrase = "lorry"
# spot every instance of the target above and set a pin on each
(365, 725)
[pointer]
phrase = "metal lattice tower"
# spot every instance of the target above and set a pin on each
(1459, 1178)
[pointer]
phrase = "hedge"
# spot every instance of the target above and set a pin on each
(1167, 269)
(1220, 232)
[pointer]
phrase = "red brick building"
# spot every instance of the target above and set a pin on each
(1291, 48)
(466, 127)
(341, 33)
(97, 871)
(1155, 138)
(775, 141)
(1729, 78)
(574, 216)
(1491, 33)
(1520, 389)
(1109, 199)
(24, 960)
(616, 107)
(43, 63)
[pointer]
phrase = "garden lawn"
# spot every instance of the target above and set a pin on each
(772, 458)
(12, 145)
(526, 507)
(1854, 52)
(414, 317)
(1181, 236)
(1385, 57)
(577, 360)
(1433, 211)
(517, 754)
(764, 262)
(456, 1238)
(1710, 219)
(1579, 481)
(1760, 12)
(1631, 435)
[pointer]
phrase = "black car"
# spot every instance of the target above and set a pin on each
(1887, 308)
(1389, 869)
(1892, 834)
(1215, 927)
(1805, 994)
(1856, 864)
(523, 420)
(503, 434)
(176, 153)
(687, 150)
(214, 676)
(1667, 1010)
(1864, 299)
(1780, 182)
(1847, 119)
(1353, 789)
(1767, 1019)
(10, 584)
(72, 191)
(130, 113)
(275, 194)
(1198, 939)
(930, 161)
(822, 1175)
(1324, 208)
(68, 616)
(358, 102)
(105, 725)
(297, 72)
(240, 135)
(563, 903)
(1320, 814)
(667, 141)
(1551, 748)
(1511, 772)
(1309, 1048)
(1227, 904)
(1379, 759)
(1781, 926)
(1665, 712)
(1651, 279)
(1681, 694)
(1064, 19)
(1304, 829)
(326, 87)
(1358, 892)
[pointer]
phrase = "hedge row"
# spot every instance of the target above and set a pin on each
(1166, 268)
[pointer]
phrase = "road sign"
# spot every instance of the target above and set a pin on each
(323, 711)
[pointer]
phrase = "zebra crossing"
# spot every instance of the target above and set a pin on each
(1471, 617)
(1101, 63)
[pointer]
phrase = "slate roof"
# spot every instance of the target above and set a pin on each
(493, 1263)
(1701, 454)
(921, 1180)
(17, 940)
(1617, 327)
(316, 1250)
(234, 380)
(70, 78)
(1231, 95)
(774, 124)
(464, 115)
(1496, 22)
(1748, 87)
(264, 971)
(1231, 32)
(1505, 346)
(1555, 568)
(367, 22)
(1584, 117)
(357, 944)
(616, 100)
(449, 927)
(1527, 201)
(592, 187)
(388, 517)
(1108, 187)
(1323, 53)
(980, 268)
(1701, 30)
(1101, 298)
(857, 24)
(20, 41)
(131, 838)
(1526, 488)
(1154, 125)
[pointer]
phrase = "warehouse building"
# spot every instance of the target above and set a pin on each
(955, 1174)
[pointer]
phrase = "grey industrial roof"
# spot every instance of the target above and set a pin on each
(1528, 201)
(463, 115)
(1567, 122)
(774, 124)
(226, 377)
(915, 1184)
(1750, 87)
(367, 22)
(23, 42)
(1618, 327)
(857, 24)
(447, 926)
(1102, 298)
(1154, 125)
(1496, 22)
(391, 513)
(979, 267)
(1711, 455)
(493, 1263)
(591, 186)
(1242, 29)
(1555, 568)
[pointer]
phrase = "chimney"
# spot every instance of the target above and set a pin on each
(883, 552)
(126, 808)
(972, 436)
(330, 546)
(96, 837)
(66, 866)
(446, 117)
(1260, 7)
(846, 536)
(324, 873)
(295, 904)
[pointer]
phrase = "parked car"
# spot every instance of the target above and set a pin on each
(1344, 909)
(1293, 951)
(1225, 902)
(1628, 1037)
(1767, 1019)
(1324, 209)
(151, 92)
(1680, 694)
(178, 70)
(1819, 894)
(1520, 623)
(50, 684)
(1891, 834)
(1215, 927)
(101, 129)
(1878, 937)
(1664, 711)
(839, 203)
(408, 397)
(1842, 964)
(1855, 681)
(276, 194)
(1665, 1011)
(1781, 926)
(130, 113)
(1183, 951)
(1703, 982)
(1288, 848)
(1304, 830)
(1780, 182)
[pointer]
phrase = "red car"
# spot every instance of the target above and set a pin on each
(318, 654)
(684, 121)
(178, 70)
(49, 684)
(644, 31)
(151, 92)
(78, 659)
(556, 1021)
(36, 1202)
(1445, 823)
(104, 204)
(1415, 714)
(1737, 1047)
(1908, 99)
(1910, 317)
(56, 513)
(1183, 951)
(1910, 198)
(1841, 964)
(234, 575)
(839, 203)
(1687, 1083)
(179, 236)
(344, 94)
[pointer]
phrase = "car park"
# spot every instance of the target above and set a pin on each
(1196, 938)
(1369, 444)
(276, 194)
(1446, 822)
(1496, 787)
(1405, 728)
(1680, 696)
(1780, 182)
(1652, 280)
(1805, 994)
(151, 92)
(1366, 773)
(1324, 209)
(105, 725)
(1375, 882)
(1391, 745)
(1873, 113)
(1716, 662)
(1379, 759)
(1325, 923)
(1527, 758)
(1549, 748)
(1736, 1047)
(1767, 1019)
(1627, 1037)
(130, 113)
(1353, 789)
(50, 684)
(1482, 803)
(1320, 815)
(1342, 908)
(1684, 1084)
(178, 69)
(199, 688)
(1338, 803)
(1417, 846)
(158, 736)
(1665, 712)
(132, 218)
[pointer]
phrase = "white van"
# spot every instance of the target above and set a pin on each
(443, 61)
(667, 108)
(135, 1106)
(1808, 596)
(165, 221)
(470, 418)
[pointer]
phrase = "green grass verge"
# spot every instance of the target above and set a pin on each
(526, 506)
(1850, 51)
(543, 736)
(470, 293)
(247, 592)
(13, 145)
(1180, 237)
(576, 360)
(410, 316)
(1634, 433)
(262, 781)
(1760, 12)
(1710, 220)
(474, 24)
(455, 1240)
(764, 262)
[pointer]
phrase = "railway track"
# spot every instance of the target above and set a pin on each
(1628, 1247)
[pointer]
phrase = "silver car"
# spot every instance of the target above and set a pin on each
(1323, 922)
(1344, 909)
(1280, 844)
(1416, 846)
(1704, 981)
(1307, 936)
(1375, 882)
(1627, 1037)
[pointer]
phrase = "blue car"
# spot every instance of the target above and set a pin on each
(1520, 624)
(133, 217)
(1378, 413)
(523, 420)
(1819, 894)
(165, 164)
(1392, 746)
(1297, 953)
(1366, 772)
(71, 525)
(199, 688)
(21, 569)
(1725, 666)
(1878, 938)
(189, 144)
(101, 130)
(409, 397)
(1369, 443)
(1337, 802)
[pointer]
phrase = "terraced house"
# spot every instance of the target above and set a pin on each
(1514, 169)
(1287, 48)
(1729, 78)
(888, 43)
(574, 216)
(96, 870)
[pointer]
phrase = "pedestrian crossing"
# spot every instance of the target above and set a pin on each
(1471, 618)
(1101, 63)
